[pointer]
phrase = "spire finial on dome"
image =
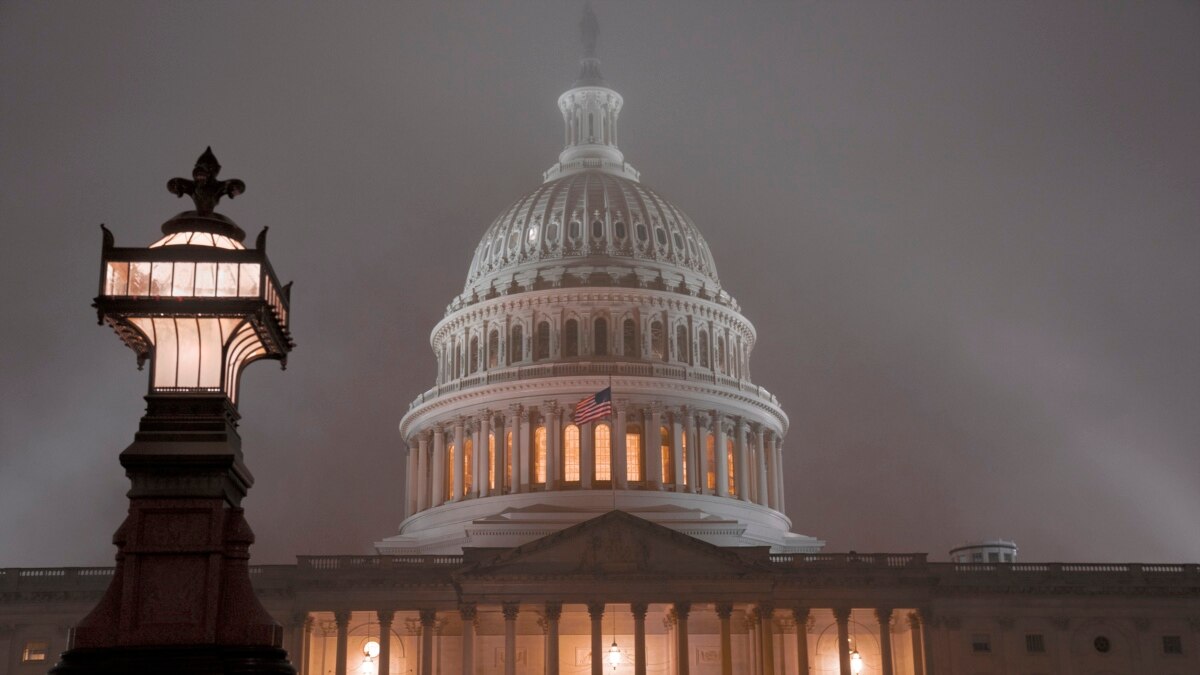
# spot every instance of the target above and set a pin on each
(589, 34)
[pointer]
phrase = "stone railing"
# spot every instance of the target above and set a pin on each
(329, 563)
(577, 368)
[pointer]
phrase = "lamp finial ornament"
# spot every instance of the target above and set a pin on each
(203, 187)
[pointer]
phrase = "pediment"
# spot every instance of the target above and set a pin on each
(616, 544)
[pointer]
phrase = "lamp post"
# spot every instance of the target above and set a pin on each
(198, 306)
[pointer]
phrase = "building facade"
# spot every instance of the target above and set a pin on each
(652, 540)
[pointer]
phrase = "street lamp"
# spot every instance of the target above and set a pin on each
(198, 306)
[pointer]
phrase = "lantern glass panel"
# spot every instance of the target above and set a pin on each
(184, 280)
(227, 280)
(248, 282)
(210, 357)
(139, 278)
(206, 279)
(117, 282)
(166, 352)
(160, 278)
(188, 368)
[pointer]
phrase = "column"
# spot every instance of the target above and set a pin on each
(766, 616)
(460, 457)
(498, 458)
(679, 478)
(653, 449)
(425, 657)
(553, 614)
(842, 616)
(620, 454)
(742, 476)
(926, 616)
(385, 617)
(914, 625)
(342, 618)
(521, 478)
(516, 426)
(596, 612)
(760, 465)
(553, 445)
(306, 649)
(720, 455)
(587, 455)
(422, 470)
(693, 445)
(468, 613)
(780, 492)
(682, 609)
(884, 616)
(484, 465)
(510, 610)
(724, 611)
(639, 637)
(753, 644)
(772, 471)
(438, 479)
(410, 478)
(702, 454)
(800, 614)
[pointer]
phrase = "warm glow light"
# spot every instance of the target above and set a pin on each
(614, 655)
(371, 649)
(367, 667)
(856, 662)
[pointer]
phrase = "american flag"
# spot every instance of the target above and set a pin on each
(594, 407)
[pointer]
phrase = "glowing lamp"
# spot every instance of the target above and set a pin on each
(371, 649)
(367, 667)
(856, 662)
(197, 303)
(614, 655)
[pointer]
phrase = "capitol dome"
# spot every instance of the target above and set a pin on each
(592, 285)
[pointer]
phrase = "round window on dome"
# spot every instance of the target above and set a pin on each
(533, 233)
(642, 233)
(660, 235)
(597, 228)
(573, 230)
(678, 242)
(619, 229)
(552, 231)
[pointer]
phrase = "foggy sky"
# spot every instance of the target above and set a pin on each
(967, 235)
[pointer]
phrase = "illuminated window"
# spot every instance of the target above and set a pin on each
(571, 338)
(668, 469)
(571, 453)
(729, 455)
(603, 436)
(633, 453)
(600, 337)
(493, 357)
(629, 339)
(681, 343)
(658, 340)
(539, 455)
(683, 455)
(712, 462)
(468, 465)
(491, 461)
(508, 450)
(35, 651)
(515, 345)
(703, 349)
(541, 349)
(450, 469)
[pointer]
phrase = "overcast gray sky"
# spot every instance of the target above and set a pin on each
(967, 233)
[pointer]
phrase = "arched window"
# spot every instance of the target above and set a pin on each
(493, 357)
(571, 454)
(539, 455)
(729, 460)
(681, 343)
(571, 338)
(668, 467)
(721, 354)
(634, 459)
(711, 451)
(491, 461)
(541, 350)
(456, 371)
(600, 337)
(603, 436)
(468, 466)
(658, 340)
(474, 353)
(703, 349)
(629, 339)
(597, 229)
(642, 233)
(516, 345)
(619, 229)
(573, 230)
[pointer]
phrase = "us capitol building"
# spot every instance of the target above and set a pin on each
(653, 540)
